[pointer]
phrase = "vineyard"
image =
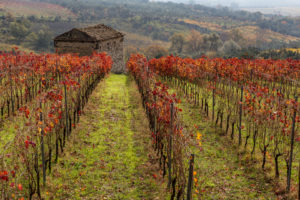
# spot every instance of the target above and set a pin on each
(71, 130)
(252, 101)
(42, 97)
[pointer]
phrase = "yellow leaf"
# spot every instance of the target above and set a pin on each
(199, 135)
(195, 180)
(40, 130)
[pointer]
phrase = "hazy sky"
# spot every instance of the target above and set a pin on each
(243, 3)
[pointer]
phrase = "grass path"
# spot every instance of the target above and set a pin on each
(109, 156)
(221, 172)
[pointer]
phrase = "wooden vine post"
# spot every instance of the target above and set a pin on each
(240, 117)
(36, 167)
(155, 126)
(213, 105)
(66, 108)
(299, 181)
(170, 144)
(289, 171)
(11, 91)
(190, 180)
(43, 148)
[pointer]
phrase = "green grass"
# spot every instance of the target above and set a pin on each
(255, 161)
(9, 127)
(109, 156)
(7, 133)
(222, 173)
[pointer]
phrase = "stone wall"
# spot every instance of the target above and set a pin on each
(83, 48)
(114, 48)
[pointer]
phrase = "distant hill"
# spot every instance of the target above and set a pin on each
(155, 23)
(285, 11)
(28, 8)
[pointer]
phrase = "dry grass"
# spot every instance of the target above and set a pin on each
(141, 41)
(253, 33)
(202, 24)
(27, 8)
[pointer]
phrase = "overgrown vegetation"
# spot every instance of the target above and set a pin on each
(25, 32)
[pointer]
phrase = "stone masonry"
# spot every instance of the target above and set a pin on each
(100, 38)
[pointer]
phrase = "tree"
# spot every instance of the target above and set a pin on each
(206, 43)
(194, 44)
(44, 40)
(215, 41)
(156, 51)
(260, 37)
(40, 41)
(237, 36)
(230, 48)
(18, 31)
(57, 18)
(177, 42)
(9, 17)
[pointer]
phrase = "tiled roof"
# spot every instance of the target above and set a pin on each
(99, 32)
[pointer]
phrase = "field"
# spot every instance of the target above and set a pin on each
(251, 33)
(170, 128)
(28, 8)
(293, 50)
(254, 33)
(142, 42)
(208, 25)
(8, 47)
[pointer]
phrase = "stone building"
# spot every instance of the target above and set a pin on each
(98, 38)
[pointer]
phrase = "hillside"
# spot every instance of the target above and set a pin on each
(155, 23)
(5, 47)
(38, 9)
(249, 30)
(286, 11)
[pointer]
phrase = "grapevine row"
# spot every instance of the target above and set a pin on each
(62, 85)
(257, 98)
(169, 140)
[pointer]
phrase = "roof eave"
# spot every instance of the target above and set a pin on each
(103, 40)
(68, 40)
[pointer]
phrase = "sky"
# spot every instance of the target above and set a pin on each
(244, 3)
